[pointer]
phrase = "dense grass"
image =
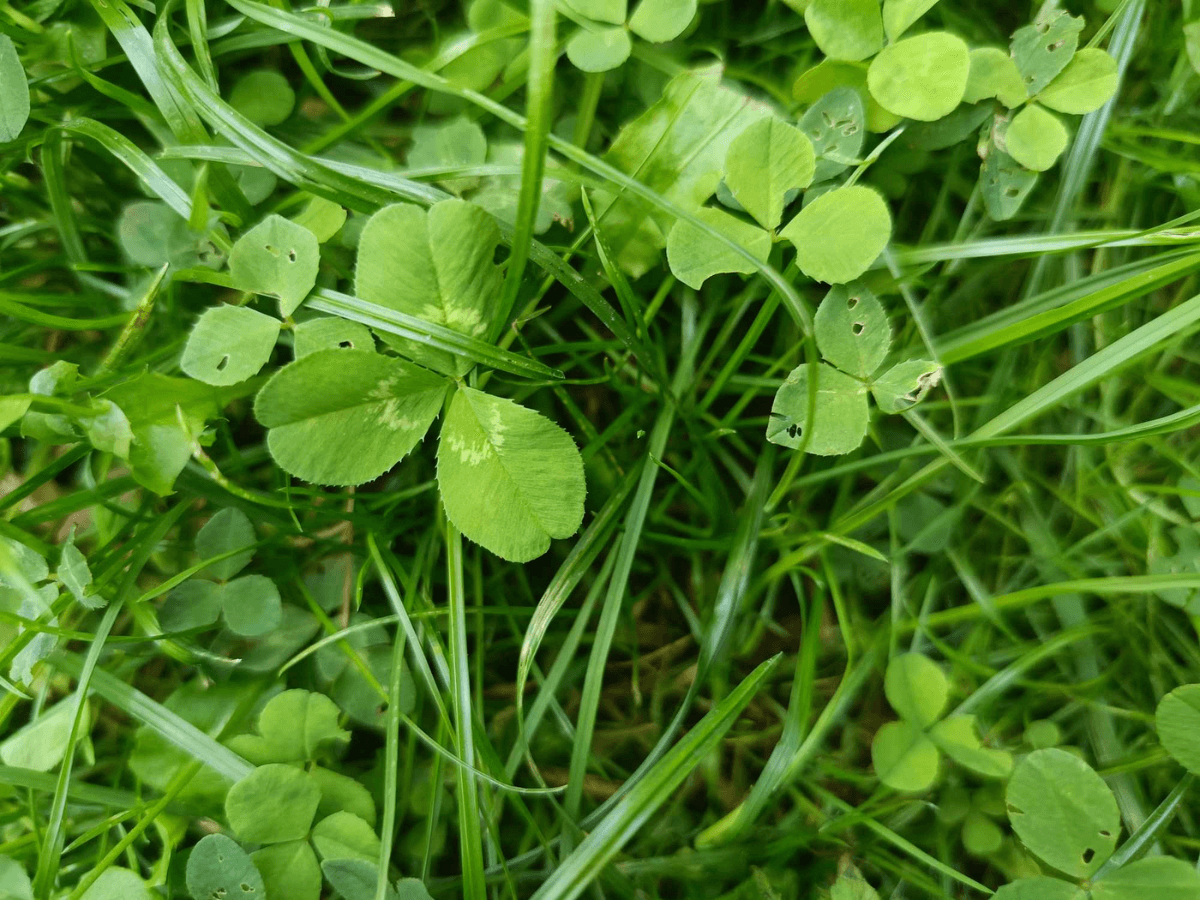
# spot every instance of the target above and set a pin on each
(679, 701)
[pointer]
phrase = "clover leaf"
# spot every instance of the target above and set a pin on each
(976, 812)
(14, 91)
(229, 344)
(436, 264)
(1177, 720)
(273, 804)
(1063, 811)
(289, 870)
(839, 234)
(218, 869)
(293, 727)
(851, 885)
(346, 416)
(276, 257)
(845, 29)
(906, 753)
(603, 41)
(852, 334)
(1065, 814)
(250, 604)
(510, 478)
(922, 77)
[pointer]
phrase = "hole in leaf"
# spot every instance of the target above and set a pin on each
(851, 302)
(247, 889)
(794, 431)
(223, 363)
(1029, 79)
(1014, 811)
(1088, 855)
(858, 328)
(346, 344)
(849, 130)
(1057, 45)
(828, 119)
(291, 256)
(270, 249)
(1106, 834)
(1043, 27)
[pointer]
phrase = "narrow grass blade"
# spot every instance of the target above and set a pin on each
(609, 835)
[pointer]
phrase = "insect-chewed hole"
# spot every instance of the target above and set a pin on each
(850, 130)
(1011, 192)
(1030, 79)
(1106, 834)
(794, 431)
(1088, 855)
(1043, 27)
(223, 363)
(851, 302)
(828, 118)
(346, 344)
(858, 328)
(248, 889)
(291, 255)
(1057, 45)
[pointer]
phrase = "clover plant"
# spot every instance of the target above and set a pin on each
(1065, 814)
(854, 337)
(906, 753)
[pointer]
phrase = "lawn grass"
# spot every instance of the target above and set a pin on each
(679, 701)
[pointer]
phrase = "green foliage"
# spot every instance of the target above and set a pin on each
(229, 344)
(1063, 812)
(1035, 138)
(905, 753)
(277, 257)
(603, 40)
(839, 234)
(345, 416)
(14, 91)
(922, 77)
(434, 264)
(292, 727)
(510, 479)
(273, 804)
(249, 604)
(244, 569)
(1177, 721)
(263, 96)
(852, 333)
(218, 869)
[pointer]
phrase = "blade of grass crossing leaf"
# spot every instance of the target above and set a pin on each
(427, 333)
(539, 100)
(609, 835)
(175, 729)
(1142, 841)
